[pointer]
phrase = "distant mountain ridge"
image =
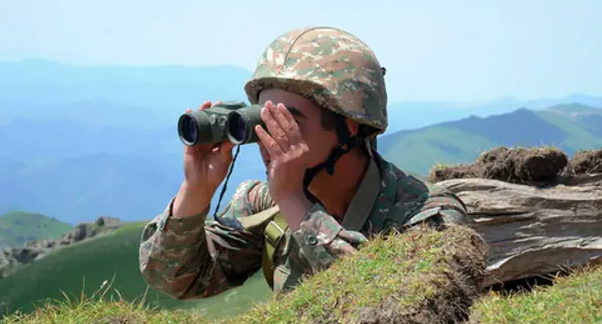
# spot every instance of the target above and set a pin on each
(156, 95)
(571, 127)
(80, 142)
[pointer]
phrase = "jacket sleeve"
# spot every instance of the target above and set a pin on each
(323, 239)
(192, 257)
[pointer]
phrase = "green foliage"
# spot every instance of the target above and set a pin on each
(84, 266)
(18, 227)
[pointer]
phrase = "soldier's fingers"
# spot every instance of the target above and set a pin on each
(268, 142)
(205, 105)
(276, 131)
(288, 124)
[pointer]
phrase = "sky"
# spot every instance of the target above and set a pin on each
(433, 50)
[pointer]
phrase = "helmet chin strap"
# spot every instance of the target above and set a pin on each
(346, 143)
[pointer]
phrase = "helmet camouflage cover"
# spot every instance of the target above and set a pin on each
(329, 66)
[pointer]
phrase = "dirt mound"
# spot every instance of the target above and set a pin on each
(514, 165)
(585, 162)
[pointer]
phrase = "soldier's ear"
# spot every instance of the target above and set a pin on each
(353, 126)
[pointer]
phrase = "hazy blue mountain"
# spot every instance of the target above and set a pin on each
(415, 115)
(155, 96)
(128, 186)
(570, 127)
(79, 142)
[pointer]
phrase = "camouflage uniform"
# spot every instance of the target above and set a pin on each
(193, 257)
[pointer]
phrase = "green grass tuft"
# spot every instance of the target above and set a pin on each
(574, 299)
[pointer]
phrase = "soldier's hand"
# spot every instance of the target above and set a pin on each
(206, 166)
(288, 157)
(287, 149)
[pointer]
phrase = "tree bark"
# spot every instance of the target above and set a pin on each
(534, 231)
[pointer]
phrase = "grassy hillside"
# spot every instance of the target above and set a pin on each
(356, 292)
(17, 228)
(419, 264)
(572, 300)
(85, 266)
(570, 126)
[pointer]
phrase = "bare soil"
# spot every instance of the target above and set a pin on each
(532, 166)
(585, 162)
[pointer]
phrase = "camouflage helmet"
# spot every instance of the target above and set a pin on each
(329, 66)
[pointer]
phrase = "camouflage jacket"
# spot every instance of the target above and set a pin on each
(192, 257)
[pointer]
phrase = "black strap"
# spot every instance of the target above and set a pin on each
(224, 187)
(345, 145)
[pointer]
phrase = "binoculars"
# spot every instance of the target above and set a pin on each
(232, 120)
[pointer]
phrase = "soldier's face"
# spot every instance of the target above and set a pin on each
(308, 116)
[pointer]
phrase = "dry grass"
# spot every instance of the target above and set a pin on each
(531, 166)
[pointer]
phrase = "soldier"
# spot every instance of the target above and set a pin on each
(325, 101)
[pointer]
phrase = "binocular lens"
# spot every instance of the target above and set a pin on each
(234, 122)
(237, 128)
(188, 129)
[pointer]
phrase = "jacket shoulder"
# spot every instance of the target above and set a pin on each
(417, 200)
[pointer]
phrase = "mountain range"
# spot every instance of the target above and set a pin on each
(80, 142)
(571, 127)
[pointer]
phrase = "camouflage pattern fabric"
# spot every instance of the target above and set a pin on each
(193, 257)
(329, 66)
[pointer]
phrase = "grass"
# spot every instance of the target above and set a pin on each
(572, 299)
(358, 286)
(397, 278)
(18, 227)
(84, 266)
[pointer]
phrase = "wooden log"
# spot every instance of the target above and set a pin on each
(534, 231)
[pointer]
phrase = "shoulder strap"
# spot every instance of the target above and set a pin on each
(274, 231)
(260, 218)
